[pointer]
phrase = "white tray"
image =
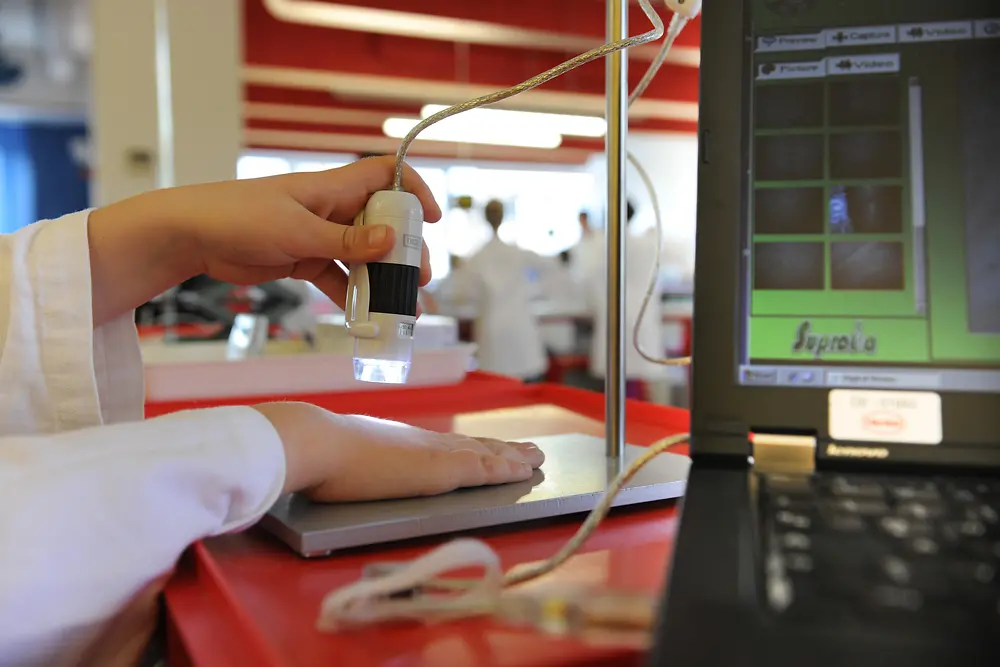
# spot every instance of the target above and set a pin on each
(430, 332)
(288, 374)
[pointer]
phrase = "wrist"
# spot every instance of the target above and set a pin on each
(146, 220)
(291, 421)
(139, 248)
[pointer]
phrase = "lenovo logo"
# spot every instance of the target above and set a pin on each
(857, 452)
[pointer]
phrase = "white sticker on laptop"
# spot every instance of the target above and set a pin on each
(912, 417)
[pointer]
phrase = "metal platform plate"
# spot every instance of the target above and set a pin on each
(572, 480)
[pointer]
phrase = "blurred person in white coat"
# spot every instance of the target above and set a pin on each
(96, 503)
(590, 241)
(640, 254)
(498, 282)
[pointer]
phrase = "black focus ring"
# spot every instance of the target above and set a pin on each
(393, 288)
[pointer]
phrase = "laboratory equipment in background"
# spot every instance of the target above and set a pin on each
(247, 338)
(214, 306)
(201, 371)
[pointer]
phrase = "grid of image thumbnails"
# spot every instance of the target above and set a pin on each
(829, 185)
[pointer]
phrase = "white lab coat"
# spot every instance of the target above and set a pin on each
(94, 502)
(640, 254)
(495, 281)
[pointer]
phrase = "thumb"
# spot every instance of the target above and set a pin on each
(347, 243)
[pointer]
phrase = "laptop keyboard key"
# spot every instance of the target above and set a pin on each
(956, 531)
(975, 574)
(799, 563)
(847, 523)
(987, 514)
(915, 491)
(920, 510)
(846, 487)
(963, 495)
(897, 570)
(862, 506)
(903, 528)
(795, 541)
(793, 520)
(896, 598)
(924, 546)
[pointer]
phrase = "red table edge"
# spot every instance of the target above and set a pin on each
(199, 581)
(475, 385)
(199, 589)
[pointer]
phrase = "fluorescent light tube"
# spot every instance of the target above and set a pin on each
(565, 124)
(471, 131)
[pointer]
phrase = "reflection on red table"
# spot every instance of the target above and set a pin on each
(247, 600)
(185, 330)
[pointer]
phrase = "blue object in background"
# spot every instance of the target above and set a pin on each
(17, 179)
(38, 177)
(840, 216)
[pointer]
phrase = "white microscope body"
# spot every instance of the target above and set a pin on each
(381, 308)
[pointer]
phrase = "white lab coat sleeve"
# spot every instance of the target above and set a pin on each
(91, 512)
(90, 517)
(57, 372)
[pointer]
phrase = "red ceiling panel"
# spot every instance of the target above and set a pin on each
(575, 17)
(594, 145)
(272, 42)
(318, 120)
(321, 98)
(378, 115)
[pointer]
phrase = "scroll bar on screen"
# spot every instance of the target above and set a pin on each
(918, 216)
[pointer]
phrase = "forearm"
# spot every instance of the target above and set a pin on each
(130, 499)
(137, 251)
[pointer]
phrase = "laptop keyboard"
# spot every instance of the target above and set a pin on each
(862, 547)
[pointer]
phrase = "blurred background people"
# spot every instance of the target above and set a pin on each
(557, 283)
(497, 281)
(591, 241)
(640, 253)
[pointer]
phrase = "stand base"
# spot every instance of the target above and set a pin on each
(573, 479)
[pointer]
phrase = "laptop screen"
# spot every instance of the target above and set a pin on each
(873, 239)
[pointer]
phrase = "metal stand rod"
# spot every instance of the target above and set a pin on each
(617, 120)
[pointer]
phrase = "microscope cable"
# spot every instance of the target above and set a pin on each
(531, 83)
(417, 590)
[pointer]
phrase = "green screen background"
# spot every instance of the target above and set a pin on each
(904, 335)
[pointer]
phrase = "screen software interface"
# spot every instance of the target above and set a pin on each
(873, 238)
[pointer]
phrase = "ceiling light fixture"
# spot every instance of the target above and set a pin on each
(565, 124)
(465, 130)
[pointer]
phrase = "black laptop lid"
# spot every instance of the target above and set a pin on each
(848, 256)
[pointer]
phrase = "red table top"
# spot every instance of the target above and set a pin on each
(247, 600)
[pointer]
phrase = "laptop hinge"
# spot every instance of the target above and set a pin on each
(784, 454)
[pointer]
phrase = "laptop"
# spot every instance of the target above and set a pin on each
(843, 506)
